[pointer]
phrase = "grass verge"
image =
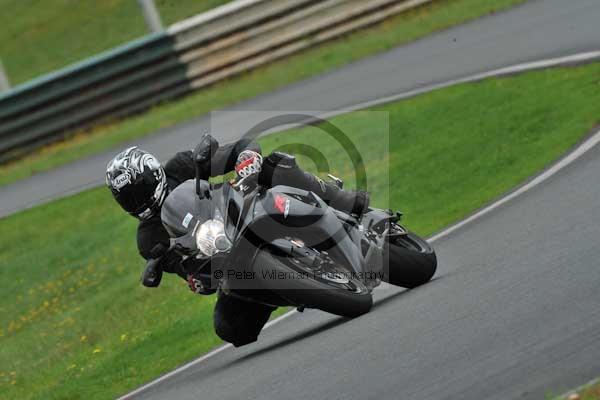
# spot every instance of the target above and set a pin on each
(403, 28)
(79, 325)
(590, 391)
(40, 36)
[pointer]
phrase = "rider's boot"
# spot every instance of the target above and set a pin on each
(281, 169)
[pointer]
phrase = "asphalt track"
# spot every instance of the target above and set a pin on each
(537, 30)
(514, 312)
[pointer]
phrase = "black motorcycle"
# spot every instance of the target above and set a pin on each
(284, 246)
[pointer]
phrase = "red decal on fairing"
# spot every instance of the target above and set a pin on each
(282, 204)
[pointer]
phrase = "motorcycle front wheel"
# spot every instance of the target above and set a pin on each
(333, 291)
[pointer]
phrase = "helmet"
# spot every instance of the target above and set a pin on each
(137, 181)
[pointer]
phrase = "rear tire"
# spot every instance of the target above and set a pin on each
(308, 292)
(409, 259)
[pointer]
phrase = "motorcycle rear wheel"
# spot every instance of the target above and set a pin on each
(409, 261)
(347, 297)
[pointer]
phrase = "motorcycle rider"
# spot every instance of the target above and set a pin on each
(140, 184)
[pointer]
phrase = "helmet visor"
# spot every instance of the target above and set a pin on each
(135, 199)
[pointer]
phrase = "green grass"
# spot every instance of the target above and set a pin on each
(79, 325)
(401, 29)
(590, 391)
(39, 36)
(455, 149)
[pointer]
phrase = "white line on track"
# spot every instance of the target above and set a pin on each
(571, 157)
(198, 360)
(579, 58)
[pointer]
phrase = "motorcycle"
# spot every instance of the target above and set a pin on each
(283, 246)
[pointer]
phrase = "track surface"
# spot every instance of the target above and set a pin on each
(536, 30)
(514, 313)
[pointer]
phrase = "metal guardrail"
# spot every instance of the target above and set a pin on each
(89, 92)
(190, 55)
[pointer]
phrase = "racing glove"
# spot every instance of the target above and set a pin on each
(199, 284)
(248, 163)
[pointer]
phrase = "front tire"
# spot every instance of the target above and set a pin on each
(350, 299)
(409, 261)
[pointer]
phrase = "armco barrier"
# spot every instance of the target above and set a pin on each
(109, 85)
(191, 54)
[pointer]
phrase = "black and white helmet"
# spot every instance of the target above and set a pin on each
(137, 182)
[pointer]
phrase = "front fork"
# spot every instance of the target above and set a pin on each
(376, 226)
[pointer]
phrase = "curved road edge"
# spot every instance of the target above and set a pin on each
(572, 155)
(574, 59)
(569, 158)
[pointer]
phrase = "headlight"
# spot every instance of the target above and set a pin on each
(211, 238)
